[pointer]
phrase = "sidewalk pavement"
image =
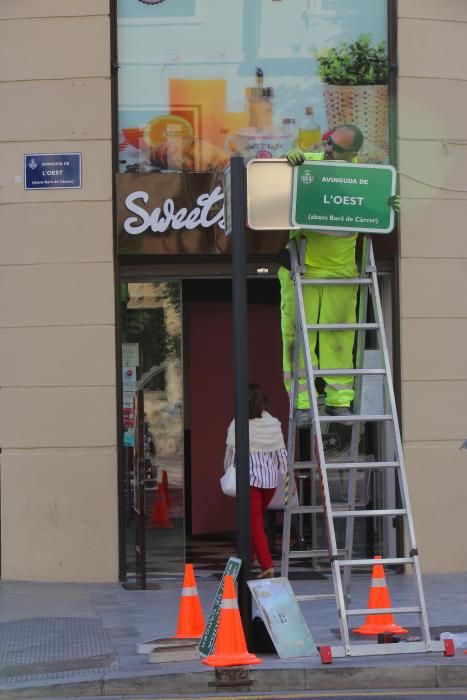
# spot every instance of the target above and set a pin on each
(62, 639)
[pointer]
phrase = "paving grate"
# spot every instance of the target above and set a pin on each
(46, 648)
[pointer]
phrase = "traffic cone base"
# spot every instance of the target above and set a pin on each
(190, 618)
(231, 660)
(379, 628)
(230, 649)
(379, 599)
(160, 515)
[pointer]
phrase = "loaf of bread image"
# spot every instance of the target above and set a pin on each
(194, 154)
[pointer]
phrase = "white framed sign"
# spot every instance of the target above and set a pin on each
(283, 618)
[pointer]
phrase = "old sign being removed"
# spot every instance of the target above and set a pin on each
(340, 196)
(283, 618)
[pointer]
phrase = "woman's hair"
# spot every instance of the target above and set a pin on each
(257, 401)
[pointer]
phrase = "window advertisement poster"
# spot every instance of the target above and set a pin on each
(203, 80)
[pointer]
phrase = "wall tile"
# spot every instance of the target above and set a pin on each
(432, 49)
(57, 417)
(437, 476)
(57, 47)
(58, 356)
(81, 110)
(54, 295)
(11, 9)
(434, 410)
(434, 348)
(453, 10)
(60, 232)
(59, 515)
(424, 233)
(432, 288)
(431, 108)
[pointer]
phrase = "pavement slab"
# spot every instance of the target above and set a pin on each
(78, 639)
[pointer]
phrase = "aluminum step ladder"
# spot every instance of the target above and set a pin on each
(322, 469)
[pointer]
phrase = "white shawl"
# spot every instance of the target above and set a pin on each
(265, 434)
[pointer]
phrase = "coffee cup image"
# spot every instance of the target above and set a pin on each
(252, 142)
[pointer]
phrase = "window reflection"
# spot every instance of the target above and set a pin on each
(151, 331)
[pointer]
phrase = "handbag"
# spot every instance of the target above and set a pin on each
(229, 482)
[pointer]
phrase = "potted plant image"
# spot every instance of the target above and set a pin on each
(355, 76)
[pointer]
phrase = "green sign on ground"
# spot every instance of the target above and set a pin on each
(343, 197)
(208, 639)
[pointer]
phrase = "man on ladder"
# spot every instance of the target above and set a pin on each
(329, 263)
(328, 255)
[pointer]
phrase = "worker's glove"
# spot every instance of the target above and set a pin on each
(295, 156)
(283, 258)
(395, 202)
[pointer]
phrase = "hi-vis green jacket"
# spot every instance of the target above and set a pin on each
(333, 251)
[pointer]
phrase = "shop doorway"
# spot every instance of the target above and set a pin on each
(209, 397)
(183, 332)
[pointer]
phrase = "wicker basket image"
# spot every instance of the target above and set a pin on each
(366, 106)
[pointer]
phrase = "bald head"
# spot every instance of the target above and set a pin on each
(344, 143)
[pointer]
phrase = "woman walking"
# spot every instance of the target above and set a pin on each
(268, 457)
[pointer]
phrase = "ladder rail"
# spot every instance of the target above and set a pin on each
(404, 488)
(317, 442)
(341, 559)
(290, 478)
(362, 296)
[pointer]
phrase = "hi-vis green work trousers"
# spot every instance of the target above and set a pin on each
(323, 304)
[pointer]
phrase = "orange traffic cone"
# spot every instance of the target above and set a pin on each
(190, 618)
(160, 515)
(379, 598)
(230, 647)
(165, 484)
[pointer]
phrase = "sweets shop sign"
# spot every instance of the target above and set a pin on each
(179, 213)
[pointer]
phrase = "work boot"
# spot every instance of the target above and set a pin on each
(339, 411)
(303, 418)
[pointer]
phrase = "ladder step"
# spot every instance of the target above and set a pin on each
(306, 509)
(339, 466)
(342, 326)
(383, 611)
(367, 513)
(305, 465)
(316, 596)
(334, 466)
(338, 372)
(386, 649)
(339, 281)
(355, 418)
(369, 562)
(308, 553)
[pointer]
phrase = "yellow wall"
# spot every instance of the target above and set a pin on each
(57, 373)
(57, 336)
(433, 272)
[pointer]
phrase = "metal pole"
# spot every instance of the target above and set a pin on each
(240, 344)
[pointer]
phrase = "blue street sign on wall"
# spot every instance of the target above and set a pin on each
(57, 171)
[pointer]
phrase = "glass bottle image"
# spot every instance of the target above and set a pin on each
(259, 103)
(309, 132)
(289, 128)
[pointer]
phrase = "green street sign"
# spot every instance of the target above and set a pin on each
(331, 196)
(206, 644)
